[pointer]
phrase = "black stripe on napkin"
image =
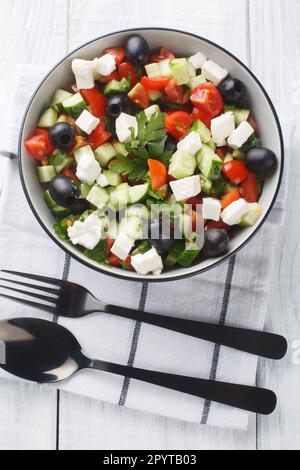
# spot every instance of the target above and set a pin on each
(134, 344)
(222, 320)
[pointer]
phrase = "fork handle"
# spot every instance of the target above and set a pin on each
(256, 400)
(260, 343)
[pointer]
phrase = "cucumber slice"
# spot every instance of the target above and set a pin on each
(57, 99)
(117, 87)
(142, 248)
(180, 71)
(252, 216)
(189, 255)
(195, 81)
(48, 118)
(119, 196)
(203, 131)
(206, 184)
(154, 95)
(81, 151)
(85, 189)
(212, 145)
(138, 193)
(113, 178)
(74, 105)
(113, 229)
(154, 109)
(182, 164)
(165, 70)
(238, 155)
(209, 163)
(98, 196)
(105, 153)
(240, 115)
(192, 70)
(46, 173)
(133, 227)
(120, 148)
(153, 70)
(57, 211)
(137, 210)
(60, 160)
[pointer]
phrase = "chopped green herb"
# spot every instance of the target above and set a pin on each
(98, 253)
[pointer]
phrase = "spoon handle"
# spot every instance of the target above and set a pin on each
(256, 400)
(260, 343)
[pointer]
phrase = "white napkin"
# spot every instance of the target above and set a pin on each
(235, 293)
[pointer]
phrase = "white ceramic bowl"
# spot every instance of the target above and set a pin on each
(183, 44)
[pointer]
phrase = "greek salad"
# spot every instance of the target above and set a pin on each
(145, 151)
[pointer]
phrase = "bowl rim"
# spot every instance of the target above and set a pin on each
(139, 278)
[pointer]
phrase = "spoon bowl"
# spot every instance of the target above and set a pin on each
(46, 352)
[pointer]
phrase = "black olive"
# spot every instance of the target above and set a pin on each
(232, 90)
(260, 160)
(137, 50)
(216, 242)
(63, 191)
(171, 144)
(62, 135)
(116, 104)
(160, 236)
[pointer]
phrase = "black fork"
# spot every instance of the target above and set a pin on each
(71, 300)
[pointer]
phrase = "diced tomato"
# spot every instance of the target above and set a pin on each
(99, 136)
(96, 100)
(208, 99)
(249, 188)
(108, 246)
(163, 54)
(155, 83)
(113, 76)
(117, 52)
(203, 116)
(221, 152)
(70, 174)
(127, 263)
(114, 261)
(217, 224)
(45, 133)
(158, 173)
(174, 92)
(36, 146)
(253, 123)
(127, 70)
(236, 171)
(139, 96)
(194, 201)
(178, 124)
(230, 197)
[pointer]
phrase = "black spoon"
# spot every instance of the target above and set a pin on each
(45, 352)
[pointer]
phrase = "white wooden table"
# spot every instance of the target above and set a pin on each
(266, 35)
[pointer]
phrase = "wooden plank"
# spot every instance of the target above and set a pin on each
(275, 41)
(32, 31)
(87, 424)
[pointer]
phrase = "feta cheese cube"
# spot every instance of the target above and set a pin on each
(123, 127)
(240, 136)
(190, 144)
(87, 122)
(222, 127)
(122, 246)
(214, 72)
(105, 65)
(197, 60)
(149, 262)
(151, 110)
(87, 233)
(88, 169)
(102, 181)
(186, 187)
(153, 70)
(211, 208)
(234, 213)
(83, 70)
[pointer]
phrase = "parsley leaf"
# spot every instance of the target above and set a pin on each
(61, 227)
(98, 253)
(136, 168)
(152, 130)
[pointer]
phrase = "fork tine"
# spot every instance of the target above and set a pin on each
(46, 308)
(46, 280)
(31, 286)
(32, 294)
